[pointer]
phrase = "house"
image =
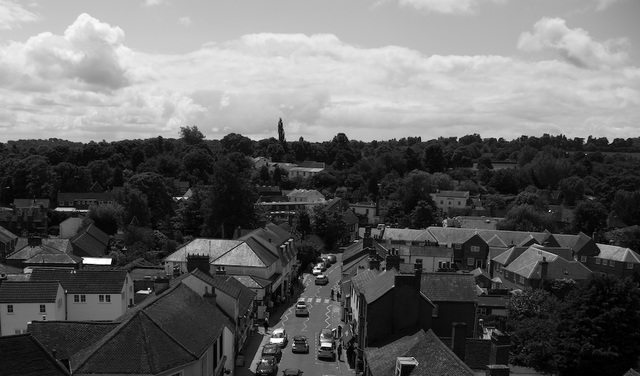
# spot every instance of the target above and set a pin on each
(91, 242)
(266, 253)
(179, 332)
(91, 294)
(531, 266)
(43, 252)
(7, 242)
(420, 353)
(23, 355)
(448, 200)
(367, 211)
(69, 227)
(80, 201)
(29, 216)
(305, 195)
(613, 260)
(304, 172)
(23, 302)
(455, 300)
(234, 299)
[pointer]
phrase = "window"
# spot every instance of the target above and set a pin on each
(475, 248)
(497, 267)
(482, 311)
(583, 258)
(470, 261)
(612, 264)
(604, 262)
(43, 308)
(419, 261)
(521, 278)
(104, 298)
(79, 298)
(629, 265)
(10, 309)
(597, 261)
(506, 273)
(435, 311)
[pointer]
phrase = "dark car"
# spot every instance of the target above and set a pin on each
(332, 258)
(300, 345)
(292, 372)
(267, 366)
(322, 280)
(272, 350)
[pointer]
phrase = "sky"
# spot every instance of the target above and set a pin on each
(93, 70)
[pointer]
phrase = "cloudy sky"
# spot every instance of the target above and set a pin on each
(97, 70)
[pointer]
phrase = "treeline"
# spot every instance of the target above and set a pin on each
(605, 175)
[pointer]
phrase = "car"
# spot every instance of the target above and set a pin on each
(300, 345)
(323, 265)
(332, 258)
(291, 372)
(279, 337)
(322, 280)
(326, 335)
(317, 270)
(327, 350)
(267, 366)
(326, 260)
(301, 308)
(272, 350)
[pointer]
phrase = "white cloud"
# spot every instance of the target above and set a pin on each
(151, 3)
(604, 4)
(318, 84)
(90, 54)
(13, 14)
(184, 21)
(574, 45)
(446, 6)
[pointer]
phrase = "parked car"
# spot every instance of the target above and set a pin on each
(300, 345)
(317, 270)
(332, 258)
(326, 260)
(272, 350)
(292, 372)
(326, 335)
(301, 308)
(267, 366)
(279, 337)
(327, 350)
(322, 280)
(322, 265)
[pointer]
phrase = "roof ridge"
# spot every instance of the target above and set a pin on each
(48, 354)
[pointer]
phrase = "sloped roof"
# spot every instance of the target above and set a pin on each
(213, 248)
(91, 242)
(456, 194)
(378, 286)
(83, 281)
(252, 282)
(69, 337)
(449, 287)
(434, 357)
(229, 286)
(23, 355)
(254, 251)
(173, 329)
(360, 279)
(64, 197)
(528, 265)
(8, 269)
(506, 257)
(29, 292)
(6, 235)
(62, 245)
(616, 253)
(25, 203)
(496, 241)
(47, 258)
(31, 250)
(405, 234)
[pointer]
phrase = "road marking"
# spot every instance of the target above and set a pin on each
(309, 300)
(318, 300)
(326, 301)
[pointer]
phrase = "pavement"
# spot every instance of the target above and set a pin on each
(252, 347)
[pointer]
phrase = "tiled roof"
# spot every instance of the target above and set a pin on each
(172, 330)
(457, 194)
(423, 251)
(527, 262)
(8, 269)
(632, 372)
(64, 197)
(254, 251)
(25, 203)
(350, 217)
(50, 256)
(252, 282)
(69, 337)
(91, 242)
(380, 285)
(434, 358)
(496, 241)
(22, 355)
(6, 235)
(615, 253)
(229, 286)
(448, 287)
(405, 234)
(29, 251)
(62, 245)
(476, 352)
(528, 265)
(506, 257)
(213, 248)
(83, 281)
(359, 280)
(29, 292)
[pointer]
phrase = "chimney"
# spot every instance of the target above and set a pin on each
(237, 232)
(393, 260)
(374, 263)
(497, 370)
(195, 261)
(160, 284)
(54, 353)
(459, 338)
(210, 296)
(417, 270)
(404, 365)
(544, 266)
(500, 346)
(367, 242)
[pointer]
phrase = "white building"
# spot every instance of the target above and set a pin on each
(24, 301)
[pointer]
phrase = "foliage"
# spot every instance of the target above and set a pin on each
(589, 217)
(628, 237)
(191, 135)
(106, 217)
(423, 215)
(627, 206)
(526, 218)
(329, 226)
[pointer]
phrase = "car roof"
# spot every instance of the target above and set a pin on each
(300, 338)
(278, 330)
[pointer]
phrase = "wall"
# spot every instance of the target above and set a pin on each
(23, 313)
(450, 312)
(92, 309)
(380, 319)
